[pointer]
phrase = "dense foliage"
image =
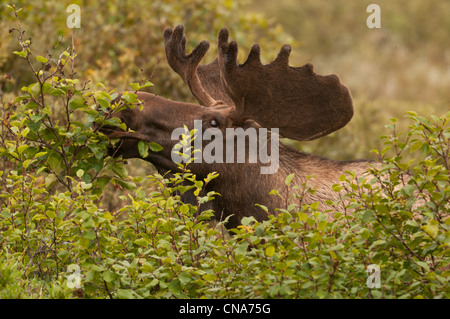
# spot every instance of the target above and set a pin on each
(58, 240)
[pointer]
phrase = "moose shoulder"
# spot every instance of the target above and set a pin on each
(243, 108)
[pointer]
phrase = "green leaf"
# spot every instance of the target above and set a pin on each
(86, 185)
(50, 214)
(424, 265)
(336, 187)
(22, 54)
(310, 221)
(321, 294)
(270, 251)
(41, 59)
(83, 242)
(296, 225)
(137, 86)
(105, 103)
(322, 224)
(315, 206)
(120, 170)
(38, 217)
(25, 132)
(89, 234)
(76, 103)
(264, 208)
(125, 294)
(155, 147)
(246, 221)
(241, 249)
(368, 215)
(126, 184)
(108, 276)
(184, 209)
(97, 268)
(333, 255)
(22, 148)
(376, 293)
(302, 216)
(80, 173)
(382, 208)
(289, 179)
(432, 228)
(141, 242)
(101, 182)
(143, 149)
(185, 278)
(365, 233)
(274, 192)
(39, 154)
(209, 277)
(56, 92)
(54, 162)
(27, 163)
(33, 89)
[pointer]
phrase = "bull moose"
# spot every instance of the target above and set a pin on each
(294, 102)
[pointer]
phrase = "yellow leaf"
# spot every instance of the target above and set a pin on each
(432, 228)
(333, 255)
(270, 251)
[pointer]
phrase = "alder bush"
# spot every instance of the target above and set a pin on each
(57, 240)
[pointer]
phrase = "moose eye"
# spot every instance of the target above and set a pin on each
(213, 123)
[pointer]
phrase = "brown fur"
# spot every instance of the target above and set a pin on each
(297, 101)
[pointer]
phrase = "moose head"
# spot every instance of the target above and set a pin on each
(294, 102)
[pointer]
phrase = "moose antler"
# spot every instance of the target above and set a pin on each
(203, 80)
(302, 104)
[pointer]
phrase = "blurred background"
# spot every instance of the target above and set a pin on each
(402, 66)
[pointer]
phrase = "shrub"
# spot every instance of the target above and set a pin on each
(58, 241)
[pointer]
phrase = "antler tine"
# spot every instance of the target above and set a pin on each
(229, 50)
(254, 57)
(186, 65)
(283, 56)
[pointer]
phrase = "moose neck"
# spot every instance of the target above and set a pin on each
(241, 185)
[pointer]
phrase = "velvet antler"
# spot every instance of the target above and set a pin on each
(203, 80)
(302, 104)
